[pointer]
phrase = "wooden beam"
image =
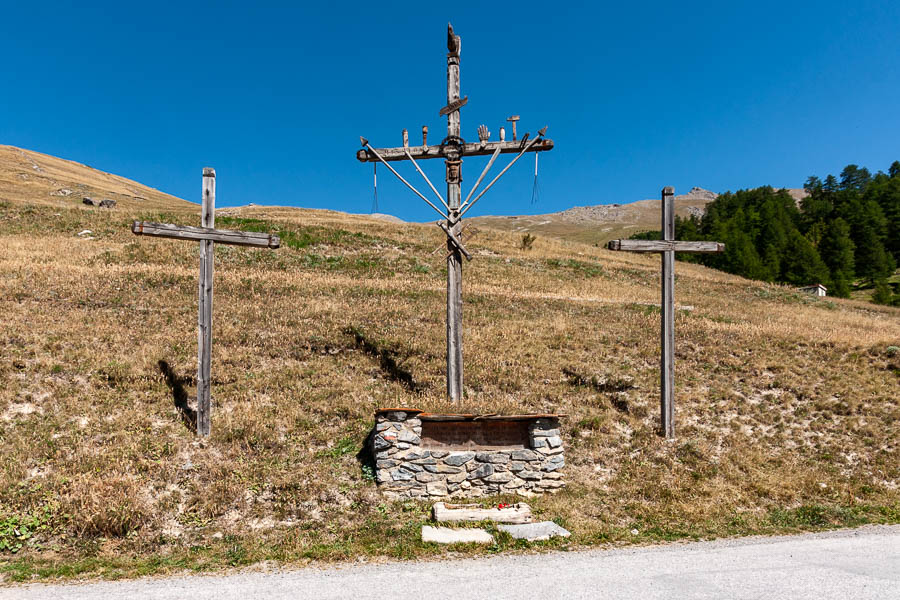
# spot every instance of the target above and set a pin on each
(471, 149)
(667, 328)
(455, 105)
(204, 310)
(664, 246)
(220, 236)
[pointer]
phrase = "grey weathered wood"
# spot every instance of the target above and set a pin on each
(470, 149)
(204, 312)
(454, 256)
(220, 236)
(667, 247)
(206, 235)
(455, 105)
(664, 246)
(455, 240)
(667, 329)
(452, 149)
(460, 513)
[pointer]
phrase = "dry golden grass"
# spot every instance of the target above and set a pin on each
(787, 405)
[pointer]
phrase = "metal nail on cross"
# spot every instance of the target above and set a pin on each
(668, 246)
(452, 149)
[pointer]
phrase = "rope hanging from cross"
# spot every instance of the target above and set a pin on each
(452, 149)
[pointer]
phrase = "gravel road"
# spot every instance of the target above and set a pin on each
(859, 563)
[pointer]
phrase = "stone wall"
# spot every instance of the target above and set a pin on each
(407, 469)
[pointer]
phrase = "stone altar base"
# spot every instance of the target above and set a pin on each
(423, 455)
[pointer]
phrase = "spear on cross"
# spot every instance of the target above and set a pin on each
(452, 149)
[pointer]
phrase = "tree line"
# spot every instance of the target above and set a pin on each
(845, 234)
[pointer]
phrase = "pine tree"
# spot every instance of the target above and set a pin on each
(882, 293)
(837, 249)
(801, 264)
(840, 285)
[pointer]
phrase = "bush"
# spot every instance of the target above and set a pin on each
(527, 241)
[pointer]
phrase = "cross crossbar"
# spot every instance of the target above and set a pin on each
(664, 246)
(220, 236)
(469, 149)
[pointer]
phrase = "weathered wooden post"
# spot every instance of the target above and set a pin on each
(206, 235)
(204, 312)
(667, 310)
(452, 149)
(667, 247)
(453, 164)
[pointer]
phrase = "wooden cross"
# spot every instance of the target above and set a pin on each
(206, 235)
(452, 149)
(667, 246)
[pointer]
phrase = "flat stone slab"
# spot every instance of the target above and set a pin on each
(446, 512)
(535, 532)
(445, 535)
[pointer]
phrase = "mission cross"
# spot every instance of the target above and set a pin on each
(206, 235)
(452, 149)
(667, 247)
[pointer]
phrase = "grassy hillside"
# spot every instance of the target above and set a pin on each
(787, 405)
(39, 179)
(596, 225)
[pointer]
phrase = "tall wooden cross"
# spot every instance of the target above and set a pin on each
(206, 235)
(667, 246)
(452, 149)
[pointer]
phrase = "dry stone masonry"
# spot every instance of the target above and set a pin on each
(419, 455)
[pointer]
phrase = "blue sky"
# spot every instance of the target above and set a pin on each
(275, 95)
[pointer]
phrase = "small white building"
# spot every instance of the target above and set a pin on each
(816, 290)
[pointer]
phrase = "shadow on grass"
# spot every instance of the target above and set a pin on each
(601, 385)
(386, 360)
(179, 395)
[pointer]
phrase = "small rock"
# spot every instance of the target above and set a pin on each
(492, 457)
(554, 442)
(525, 455)
(84, 232)
(459, 459)
(408, 437)
(445, 535)
(108, 203)
(381, 443)
(535, 532)
(442, 469)
(436, 488)
(482, 471)
(87, 201)
(500, 478)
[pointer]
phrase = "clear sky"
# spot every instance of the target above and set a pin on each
(722, 95)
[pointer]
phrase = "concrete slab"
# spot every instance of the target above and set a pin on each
(445, 535)
(535, 532)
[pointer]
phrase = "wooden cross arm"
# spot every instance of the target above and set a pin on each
(664, 246)
(455, 240)
(471, 149)
(221, 236)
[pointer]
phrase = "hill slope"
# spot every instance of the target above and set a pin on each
(27, 176)
(603, 222)
(787, 405)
